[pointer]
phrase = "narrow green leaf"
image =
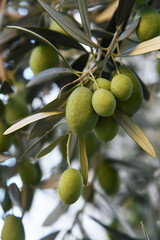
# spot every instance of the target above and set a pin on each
(28, 120)
(133, 130)
(15, 195)
(124, 10)
(144, 232)
(72, 4)
(83, 159)
(51, 74)
(4, 158)
(39, 140)
(60, 209)
(144, 47)
(129, 30)
(51, 146)
(50, 236)
(115, 233)
(83, 9)
(69, 27)
(57, 103)
(57, 39)
(39, 37)
(158, 55)
(44, 125)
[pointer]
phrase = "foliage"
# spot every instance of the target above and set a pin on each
(99, 46)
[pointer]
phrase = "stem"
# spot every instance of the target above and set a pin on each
(68, 144)
(115, 64)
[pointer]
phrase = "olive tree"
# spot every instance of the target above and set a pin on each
(79, 96)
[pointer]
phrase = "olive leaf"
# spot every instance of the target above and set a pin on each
(129, 30)
(82, 5)
(30, 119)
(144, 47)
(50, 236)
(158, 55)
(3, 157)
(43, 125)
(124, 10)
(51, 146)
(41, 38)
(58, 39)
(115, 233)
(51, 74)
(67, 26)
(144, 232)
(15, 195)
(40, 139)
(60, 209)
(83, 159)
(133, 130)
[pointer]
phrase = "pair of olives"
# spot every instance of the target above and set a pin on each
(104, 98)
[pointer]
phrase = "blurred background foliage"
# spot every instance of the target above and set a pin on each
(129, 202)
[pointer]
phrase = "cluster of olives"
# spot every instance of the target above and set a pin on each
(87, 110)
(92, 109)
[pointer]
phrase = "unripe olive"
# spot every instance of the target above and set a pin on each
(80, 115)
(149, 24)
(121, 87)
(102, 83)
(5, 140)
(106, 128)
(15, 109)
(108, 178)
(43, 57)
(13, 229)
(30, 173)
(70, 186)
(133, 104)
(90, 143)
(103, 102)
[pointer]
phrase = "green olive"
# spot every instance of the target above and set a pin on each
(121, 87)
(43, 57)
(70, 186)
(106, 128)
(13, 228)
(15, 109)
(101, 83)
(108, 178)
(30, 173)
(80, 115)
(103, 102)
(149, 25)
(134, 103)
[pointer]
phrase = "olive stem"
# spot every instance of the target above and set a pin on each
(115, 64)
(68, 144)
